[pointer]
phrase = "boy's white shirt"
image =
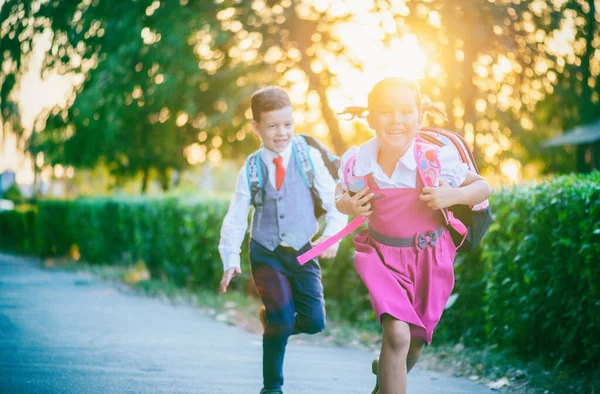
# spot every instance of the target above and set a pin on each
(453, 170)
(235, 223)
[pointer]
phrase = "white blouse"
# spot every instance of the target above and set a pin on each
(453, 170)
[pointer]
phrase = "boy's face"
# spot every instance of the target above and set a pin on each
(395, 118)
(275, 129)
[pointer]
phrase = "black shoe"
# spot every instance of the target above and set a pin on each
(374, 369)
(271, 391)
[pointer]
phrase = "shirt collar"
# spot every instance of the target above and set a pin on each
(268, 155)
(366, 158)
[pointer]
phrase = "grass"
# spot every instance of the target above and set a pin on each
(493, 366)
(487, 366)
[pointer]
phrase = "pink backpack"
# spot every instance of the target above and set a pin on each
(467, 224)
(476, 218)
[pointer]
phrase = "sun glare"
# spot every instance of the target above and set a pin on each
(511, 169)
(401, 58)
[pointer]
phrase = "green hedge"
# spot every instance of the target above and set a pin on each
(543, 252)
(532, 287)
(17, 230)
(176, 239)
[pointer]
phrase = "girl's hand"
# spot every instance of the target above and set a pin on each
(440, 197)
(359, 204)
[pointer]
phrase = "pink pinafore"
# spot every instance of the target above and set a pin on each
(405, 258)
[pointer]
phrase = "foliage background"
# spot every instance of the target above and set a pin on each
(161, 86)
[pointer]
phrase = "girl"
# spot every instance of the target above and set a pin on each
(405, 257)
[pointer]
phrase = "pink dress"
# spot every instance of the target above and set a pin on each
(411, 282)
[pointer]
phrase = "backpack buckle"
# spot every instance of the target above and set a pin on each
(259, 196)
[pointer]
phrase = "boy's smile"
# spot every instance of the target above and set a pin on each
(275, 129)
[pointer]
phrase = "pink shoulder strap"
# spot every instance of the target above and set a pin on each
(353, 183)
(323, 246)
(429, 169)
(428, 164)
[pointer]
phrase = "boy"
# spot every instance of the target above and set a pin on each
(282, 228)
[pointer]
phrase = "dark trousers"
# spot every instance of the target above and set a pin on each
(293, 299)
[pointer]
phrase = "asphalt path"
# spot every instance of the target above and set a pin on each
(66, 332)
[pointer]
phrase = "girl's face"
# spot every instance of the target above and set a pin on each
(395, 118)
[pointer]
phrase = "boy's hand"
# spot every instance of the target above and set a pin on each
(439, 197)
(329, 253)
(227, 276)
(359, 204)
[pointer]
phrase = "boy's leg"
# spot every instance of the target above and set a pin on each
(307, 293)
(275, 292)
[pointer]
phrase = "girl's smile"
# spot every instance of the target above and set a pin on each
(395, 118)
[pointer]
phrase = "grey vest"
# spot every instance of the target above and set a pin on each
(286, 215)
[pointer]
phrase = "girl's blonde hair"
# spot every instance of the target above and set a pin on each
(424, 104)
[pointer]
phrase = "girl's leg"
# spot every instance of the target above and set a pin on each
(394, 351)
(414, 352)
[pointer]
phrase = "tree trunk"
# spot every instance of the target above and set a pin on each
(468, 89)
(586, 106)
(339, 146)
(165, 179)
(596, 156)
(582, 166)
(37, 184)
(301, 31)
(314, 83)
(145, 179)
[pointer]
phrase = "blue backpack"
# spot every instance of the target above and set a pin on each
(300, 149)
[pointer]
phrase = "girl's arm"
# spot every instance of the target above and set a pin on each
(473, 190)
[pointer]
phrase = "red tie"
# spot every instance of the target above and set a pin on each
(279, 172)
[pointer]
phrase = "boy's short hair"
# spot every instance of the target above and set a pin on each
(268, 99)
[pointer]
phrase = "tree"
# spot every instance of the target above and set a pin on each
(574, 96)
(168, 83)
(284, 38)
(144, 97)
(12, 27)
(504, 84)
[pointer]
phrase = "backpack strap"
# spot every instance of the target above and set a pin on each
(332, 162)
(254, 173)
(429, 168)
(428, 164)
(351, 181)
(255, 179)
(354, 183)
(302, 156)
